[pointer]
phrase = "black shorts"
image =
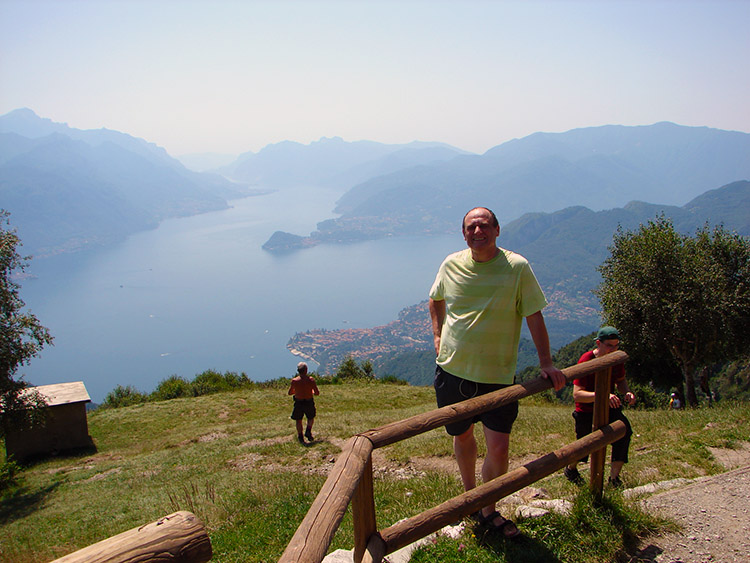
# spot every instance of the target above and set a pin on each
(303, 407)
(584, 423)
(450, 389)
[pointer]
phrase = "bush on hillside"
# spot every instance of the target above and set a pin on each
(173, 387)
(646, 397)
(733, 381)
(211, 381)
(349, 369)
(123, 397)
(9, 470)
(278, 383)
(392, 379)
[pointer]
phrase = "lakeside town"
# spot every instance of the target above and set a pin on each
(328, 348)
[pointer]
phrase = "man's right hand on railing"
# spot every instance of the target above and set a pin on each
(556, 376)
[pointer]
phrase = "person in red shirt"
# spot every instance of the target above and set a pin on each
(303, 388)
(607, 341)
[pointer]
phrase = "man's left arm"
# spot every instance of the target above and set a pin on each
(538, 331)
(628, 395)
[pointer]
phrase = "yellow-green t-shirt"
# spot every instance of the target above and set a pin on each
(485, 303)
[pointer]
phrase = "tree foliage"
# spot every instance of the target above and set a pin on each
(22, 337)
(678, 299)
(350, 369)
(734, 380)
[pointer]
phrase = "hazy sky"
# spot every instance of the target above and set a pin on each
(233, 76)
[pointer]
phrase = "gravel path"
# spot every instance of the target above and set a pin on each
(714, 514)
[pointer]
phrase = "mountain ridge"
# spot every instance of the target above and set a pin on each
(564, 249)
(37, 182)
(330, 162)
(67, 189)
(598, 167)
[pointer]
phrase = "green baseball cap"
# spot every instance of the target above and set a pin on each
(608, 333)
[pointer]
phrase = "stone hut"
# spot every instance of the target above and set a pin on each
(64, 425)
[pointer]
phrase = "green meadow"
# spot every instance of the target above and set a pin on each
(233, 460)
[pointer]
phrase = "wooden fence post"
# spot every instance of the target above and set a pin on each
(601, 418)
(314, 534)
(363, 512)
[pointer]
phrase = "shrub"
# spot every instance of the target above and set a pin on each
(646, 397)
(349, 369)
(9, 470)
(393, 379)
(208, 382)
(278, 383)
(211, 381)
(123, 397)
(172, 388)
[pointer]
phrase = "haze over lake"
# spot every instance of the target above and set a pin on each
(199, 293)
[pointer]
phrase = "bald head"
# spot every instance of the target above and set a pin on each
(493, 217)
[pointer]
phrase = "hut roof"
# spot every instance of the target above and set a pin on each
(62, 393)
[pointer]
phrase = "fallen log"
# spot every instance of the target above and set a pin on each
(178, 538)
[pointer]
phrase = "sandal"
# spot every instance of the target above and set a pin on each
(508, 528)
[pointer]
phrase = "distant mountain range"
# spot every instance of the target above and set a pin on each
(598, 168)
(332, 162)
(564, 248)
(67, 188)
(560, 197)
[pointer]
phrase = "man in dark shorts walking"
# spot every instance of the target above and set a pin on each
(303, 388)
(477, 304)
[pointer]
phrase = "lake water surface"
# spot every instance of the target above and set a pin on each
(199, 293)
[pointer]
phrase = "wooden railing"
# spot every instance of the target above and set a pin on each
(181, 537)
(351, 481)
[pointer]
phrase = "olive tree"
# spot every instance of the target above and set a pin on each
(21, 335)
(679, 296)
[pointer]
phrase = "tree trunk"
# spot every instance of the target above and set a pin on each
(681, 394)
(689, 373)
(705, 387)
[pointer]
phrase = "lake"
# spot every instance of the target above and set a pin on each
(199, 293)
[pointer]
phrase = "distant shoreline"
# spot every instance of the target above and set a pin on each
(296, 352)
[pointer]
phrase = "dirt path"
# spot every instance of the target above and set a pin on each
(714, 513)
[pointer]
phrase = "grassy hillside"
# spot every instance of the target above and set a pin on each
(233, 459)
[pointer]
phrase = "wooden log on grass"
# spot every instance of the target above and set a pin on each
(178, 538)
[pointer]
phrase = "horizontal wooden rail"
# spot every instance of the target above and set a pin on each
(178, 538)
(411, 529)
(424, 422)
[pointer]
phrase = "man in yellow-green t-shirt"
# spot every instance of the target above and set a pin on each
(477, 303)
